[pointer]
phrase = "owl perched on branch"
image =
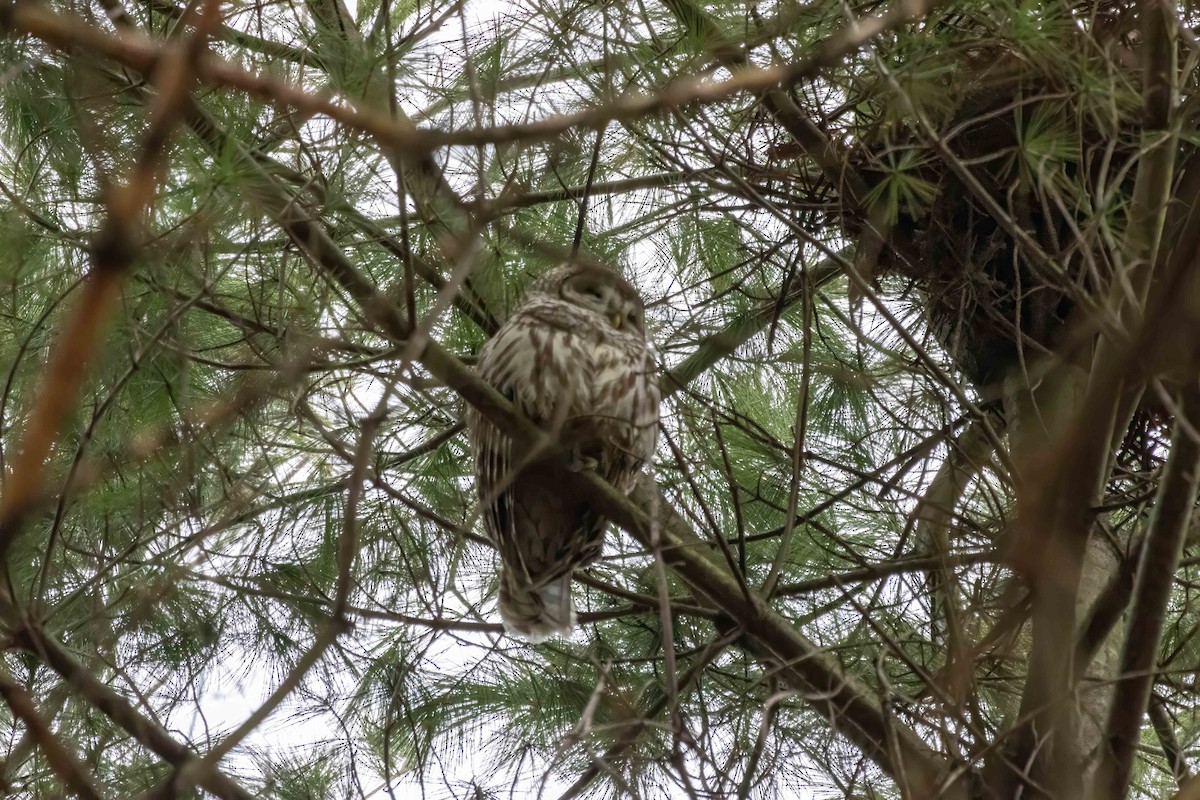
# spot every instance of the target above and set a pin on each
(574, 358)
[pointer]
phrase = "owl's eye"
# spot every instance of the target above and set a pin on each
(593, 292)
(634, 319)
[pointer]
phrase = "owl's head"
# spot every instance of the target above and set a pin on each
(596, 289)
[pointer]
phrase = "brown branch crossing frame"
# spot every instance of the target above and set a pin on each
(143, 53)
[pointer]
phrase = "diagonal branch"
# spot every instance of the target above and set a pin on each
(825, 153)
(1160, 559)
(724, 342)
(113, 252)
(64, 762)
(842, 699)
(149, 733)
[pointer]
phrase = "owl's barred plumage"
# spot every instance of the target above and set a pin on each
(573, 357)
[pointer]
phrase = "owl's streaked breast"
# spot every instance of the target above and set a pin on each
(548, 349)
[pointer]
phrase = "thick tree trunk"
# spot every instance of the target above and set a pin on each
(1035, 418)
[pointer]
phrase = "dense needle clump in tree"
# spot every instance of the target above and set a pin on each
(921, 282)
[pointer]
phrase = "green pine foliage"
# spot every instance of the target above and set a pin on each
(246, 422)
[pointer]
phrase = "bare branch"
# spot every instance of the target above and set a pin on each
(1160, 558)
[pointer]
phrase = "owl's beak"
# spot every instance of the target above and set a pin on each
(615, 319)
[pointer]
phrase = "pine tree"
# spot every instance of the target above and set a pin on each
(921, 280)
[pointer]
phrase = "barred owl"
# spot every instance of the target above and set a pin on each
(574, 358)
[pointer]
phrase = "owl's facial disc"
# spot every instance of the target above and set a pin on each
(630, 315)
(622, 313)
(592, 294)
(606, 299)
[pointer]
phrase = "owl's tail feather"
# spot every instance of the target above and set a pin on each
(536, 613)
